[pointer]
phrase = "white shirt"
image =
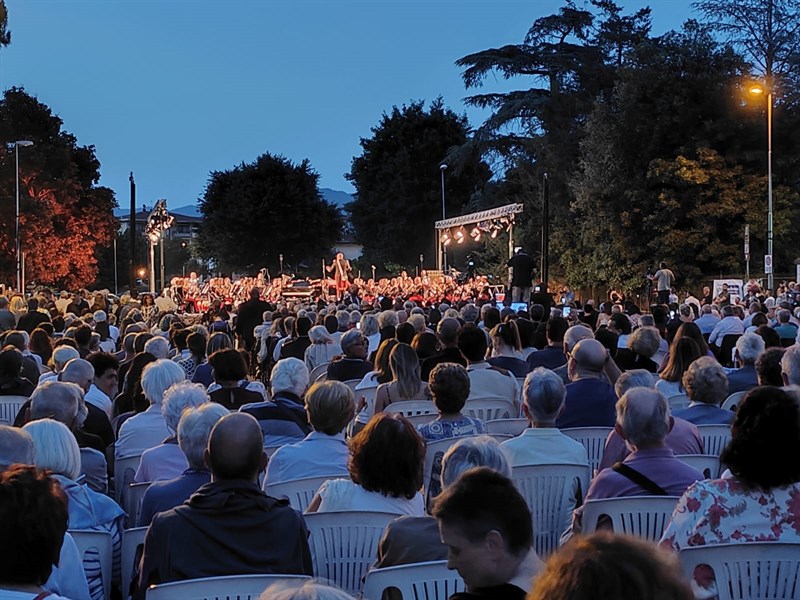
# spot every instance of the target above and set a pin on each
(544, 446)
(343, 494)
(727, 326)
(98, 398)
(141, 432)
(316, 455)
(487, 382)
(163, 462)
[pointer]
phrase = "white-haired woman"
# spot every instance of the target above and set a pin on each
(167, 460)
(370, 329)
(56, 450)
(322, 349)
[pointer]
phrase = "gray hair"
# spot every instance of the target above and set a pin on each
(474, 451)
(290, 375)
(784, 315)
(645, 341)
(319, 335)
(343, 318)
(16, 447)
(158, 377)
(369, 325)
(575, 334)
(56, 400)
(350, 338)
(543, 394)
(179, 397)
(194, 427)
(643, 416)
(388, 318)
(55, 447)
(631, 379)
(647, 321)
(62, 355)
(749, 347)
(470, 313)
(157, 346)
(790, 365)
(80, 371)
(417, 322)
(705, 381)
(303, 590)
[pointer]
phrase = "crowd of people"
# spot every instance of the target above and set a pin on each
(216, 407)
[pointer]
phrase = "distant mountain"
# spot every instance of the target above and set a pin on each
(190, 210)
(336, 197)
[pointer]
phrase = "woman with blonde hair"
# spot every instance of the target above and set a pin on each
(406, 383)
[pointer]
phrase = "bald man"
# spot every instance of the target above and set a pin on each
(229, 519)
(590, 397)
(643, 421)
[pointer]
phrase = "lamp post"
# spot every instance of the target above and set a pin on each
(442, 169)
(758, 90)
(17, 144)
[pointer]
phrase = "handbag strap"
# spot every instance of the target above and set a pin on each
(641, 480)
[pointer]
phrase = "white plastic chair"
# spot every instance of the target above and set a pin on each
(132, 544)
(418, 581)
(434, 451)
(715, 438)
(410, 408)
(678, 401)
(548, 491)
(732, 401)
(489, 409)
(417, 420)
(132, 501)
(749, 571)
(511, 426)
(317, 371)
(101, 542)
(707, 464)
(645, 517)
(9, 407)
(228, 587)
(124, 471)
(345, 544)
(352, 383)
(593, 439)
(299, 492)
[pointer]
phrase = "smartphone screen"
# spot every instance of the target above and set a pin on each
(566, 310)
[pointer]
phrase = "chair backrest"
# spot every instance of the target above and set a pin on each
(418, 581)
(132, 545)
(132, 501)
(299, 492)
(725, 354)
(641, 516)
(678, 401)
(512, 426)
(732, 401)
(707, 464)
(228, 587)
(593, 439)
(749, 571)
(345, 544)
(91, 543)
(352, 383)
(317, 371)
(409, 408)
(489, 409)
(548, 491)
(9, 407)
(124, 471)
(434, 451)
(417, 420)
(715, 438)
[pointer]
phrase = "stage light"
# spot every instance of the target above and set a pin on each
(459, 235)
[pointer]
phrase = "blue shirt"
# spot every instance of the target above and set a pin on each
(549, 357)
(444, 430)
(705, 414)
(166, 495)
(316, 455)
(589, 403)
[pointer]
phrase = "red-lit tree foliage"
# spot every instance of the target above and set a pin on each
(65, 217)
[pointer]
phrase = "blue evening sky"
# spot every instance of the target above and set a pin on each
(174, 89)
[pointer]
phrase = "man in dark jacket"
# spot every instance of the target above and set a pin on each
(229, 519)
(251, 313)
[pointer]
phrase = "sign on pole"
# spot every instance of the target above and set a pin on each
(768, 264)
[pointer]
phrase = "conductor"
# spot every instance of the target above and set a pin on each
(340, 267)
(522, 266)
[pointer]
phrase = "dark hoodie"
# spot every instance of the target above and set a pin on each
(225, 528)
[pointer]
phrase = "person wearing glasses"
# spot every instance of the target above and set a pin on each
(353, 364)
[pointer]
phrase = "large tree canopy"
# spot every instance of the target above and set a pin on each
(65, 218)
(258, 210)
(398, 185)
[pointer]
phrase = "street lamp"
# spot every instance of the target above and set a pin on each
(759, 90)
(17, 144)
(442, 169)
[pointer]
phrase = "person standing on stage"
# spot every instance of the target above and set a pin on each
(522, 266)
(340, 267)
(664, 279)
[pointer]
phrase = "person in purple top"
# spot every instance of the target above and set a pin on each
(643, 421)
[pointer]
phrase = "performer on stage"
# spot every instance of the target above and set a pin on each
(340, 267)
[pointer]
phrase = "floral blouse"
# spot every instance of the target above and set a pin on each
(723, 511)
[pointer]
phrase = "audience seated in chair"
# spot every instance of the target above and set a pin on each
(449, 386)
(590, 397)
(485, 381)
(748, 348)
(707, 387)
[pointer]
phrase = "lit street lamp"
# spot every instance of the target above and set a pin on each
(17, 144)
(758, 90)
(442, 169)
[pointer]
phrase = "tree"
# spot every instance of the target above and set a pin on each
(398, 186)
(5, 34)
(65, 217)
(258, 210)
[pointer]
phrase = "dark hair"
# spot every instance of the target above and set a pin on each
(449, 386)
(41, 344)
(331, 324)
(526, 331)
(382, 367)
(491, 317)
(33, 520)
(556, 328)
(83, 335)
(197, 345)
(767, 425)
(508, 334)
(388, 456)
(228, 365)
(102, 362)
(768, 367)
(612, 567)
(759, 319)
(472, 342)
(424, 344)
(302, 325)
(683, 352)
(772, 339)
(404, 333)
(10, 362)
(472, 504)
(609, 339)
(621, 323)
(140, 340)
(691, 330)
(179, 337)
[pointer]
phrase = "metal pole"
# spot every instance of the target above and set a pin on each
(545, 266)
(442, 169)
(152, 267)
(163, 270)
(116, 283)
(132, 238)
(769, 190)
(22, 271)
(16, 221)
